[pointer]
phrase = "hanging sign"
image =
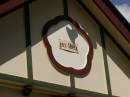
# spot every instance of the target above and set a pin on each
(9, 5)
(68, 46)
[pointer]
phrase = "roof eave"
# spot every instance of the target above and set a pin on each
(110, 12)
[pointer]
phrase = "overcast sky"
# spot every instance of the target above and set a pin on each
(124, 7)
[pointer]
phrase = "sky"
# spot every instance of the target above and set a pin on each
(124, 7)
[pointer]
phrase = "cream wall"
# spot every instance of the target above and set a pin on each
(42, 67)
(119, 68)
(12, 45)
(41, 11)
(96, 80)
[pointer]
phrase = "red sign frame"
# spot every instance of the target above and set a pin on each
(68, 70)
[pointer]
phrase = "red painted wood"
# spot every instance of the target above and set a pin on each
(68, 70)
(9, 5)
(114, 19)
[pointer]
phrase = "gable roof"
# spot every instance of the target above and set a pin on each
(115, 17)
(111, 19)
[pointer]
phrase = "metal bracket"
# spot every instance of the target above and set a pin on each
(27, 89)
(71, 95)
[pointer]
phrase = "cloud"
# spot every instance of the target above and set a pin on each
(125, 10)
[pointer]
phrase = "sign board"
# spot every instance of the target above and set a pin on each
(68, 46)
(9, 5)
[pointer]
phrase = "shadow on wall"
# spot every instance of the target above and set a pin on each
(12, 30)
(12, 36)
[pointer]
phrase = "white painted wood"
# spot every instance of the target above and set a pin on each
(67, 58)
(43, 70)
(95, 80)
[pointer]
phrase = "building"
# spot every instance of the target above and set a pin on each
(32, 56)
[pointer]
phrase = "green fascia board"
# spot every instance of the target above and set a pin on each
(51, 86)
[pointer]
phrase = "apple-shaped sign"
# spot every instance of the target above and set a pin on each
(68, 46)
